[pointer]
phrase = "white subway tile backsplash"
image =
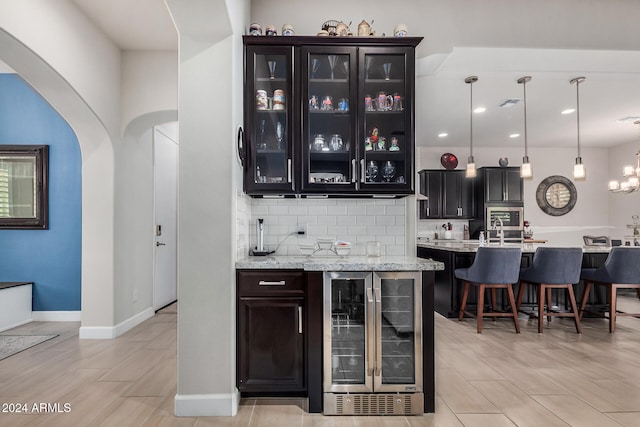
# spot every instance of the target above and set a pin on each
(386, 220)
(337, 210)
(357, 210)
(353, 220)
(346, 220)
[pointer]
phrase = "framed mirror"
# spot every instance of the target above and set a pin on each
(24, 195)
(556, 195)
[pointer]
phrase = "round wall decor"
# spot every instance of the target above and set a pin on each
(556, 195)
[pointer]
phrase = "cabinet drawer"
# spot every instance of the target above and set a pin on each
(270, 282)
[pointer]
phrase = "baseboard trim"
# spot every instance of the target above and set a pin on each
(56, 316)
(207, 405)
(110, 332)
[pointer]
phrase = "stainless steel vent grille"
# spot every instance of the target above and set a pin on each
(373, 404)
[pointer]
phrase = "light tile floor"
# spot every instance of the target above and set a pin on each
(496, 378)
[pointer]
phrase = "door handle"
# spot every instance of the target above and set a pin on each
(299, 319)
(378, 323)
(160, 244)
(370, 332)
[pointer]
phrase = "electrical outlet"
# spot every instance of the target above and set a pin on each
(135, 295)
(302, 229)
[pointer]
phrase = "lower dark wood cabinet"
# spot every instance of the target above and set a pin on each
(271, 331)
(271, 344)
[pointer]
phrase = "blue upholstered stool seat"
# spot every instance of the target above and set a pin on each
(493, 268)
(553, 268)
(621, 270)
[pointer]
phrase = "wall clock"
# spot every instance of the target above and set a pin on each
(556, 195)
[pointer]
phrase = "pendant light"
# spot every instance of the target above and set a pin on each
(525, 169)
(579, 172)
(632, 183)
(470, 171)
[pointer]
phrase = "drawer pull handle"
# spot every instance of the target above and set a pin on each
(266, 283)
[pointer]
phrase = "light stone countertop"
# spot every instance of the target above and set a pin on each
(336, 263)
(459, 246)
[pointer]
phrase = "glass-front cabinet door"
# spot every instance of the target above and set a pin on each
(269, 105)
(348, 329)
(386, 108)
(328, 117)
(398, 298)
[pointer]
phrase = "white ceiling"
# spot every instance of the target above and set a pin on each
(610, 91)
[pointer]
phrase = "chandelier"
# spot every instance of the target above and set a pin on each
(632, 175)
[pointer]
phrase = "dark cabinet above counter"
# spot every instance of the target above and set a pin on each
(450, 195)
(329, 116)
(500, 185)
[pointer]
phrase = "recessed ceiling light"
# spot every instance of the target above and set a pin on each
(442, 134)
(514, 135)
(480, 110)
(568, 111)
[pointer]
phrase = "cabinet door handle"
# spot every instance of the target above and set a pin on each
(299, 319)
(289, 170)
(266, 283)
(362, 170)
(353, 170)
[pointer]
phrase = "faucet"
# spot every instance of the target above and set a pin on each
(500, 232)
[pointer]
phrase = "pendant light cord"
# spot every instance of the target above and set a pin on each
(578, 113)
(577, 82)
(471, 80)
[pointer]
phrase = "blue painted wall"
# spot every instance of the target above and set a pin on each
(49, 258)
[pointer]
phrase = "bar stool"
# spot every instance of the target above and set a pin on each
(553, 268)
(493, 268)
(621, 270)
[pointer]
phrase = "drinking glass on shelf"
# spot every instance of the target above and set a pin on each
(368, 63)
(315, 65)
(332, 63)
(345, 65)
(388, 171)
(387, 70)
(272, 69)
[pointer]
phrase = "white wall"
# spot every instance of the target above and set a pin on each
(622, 206)
(77, 70)
(206, 217)
(589, 216)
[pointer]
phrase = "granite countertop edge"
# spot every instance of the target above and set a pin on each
(526, 247)
(349, 263)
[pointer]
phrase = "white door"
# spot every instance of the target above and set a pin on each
(165, 154)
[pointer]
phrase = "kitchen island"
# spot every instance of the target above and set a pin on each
(282, 322)
(460, 254)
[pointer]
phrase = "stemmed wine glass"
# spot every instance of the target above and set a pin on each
(372, 171)
(332, 63)
(388, 171)
(345, 64)
(280, 134)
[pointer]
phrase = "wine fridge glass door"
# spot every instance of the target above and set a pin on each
(346, 332)
(398, 323)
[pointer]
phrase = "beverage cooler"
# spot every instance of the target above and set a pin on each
(372, 343)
